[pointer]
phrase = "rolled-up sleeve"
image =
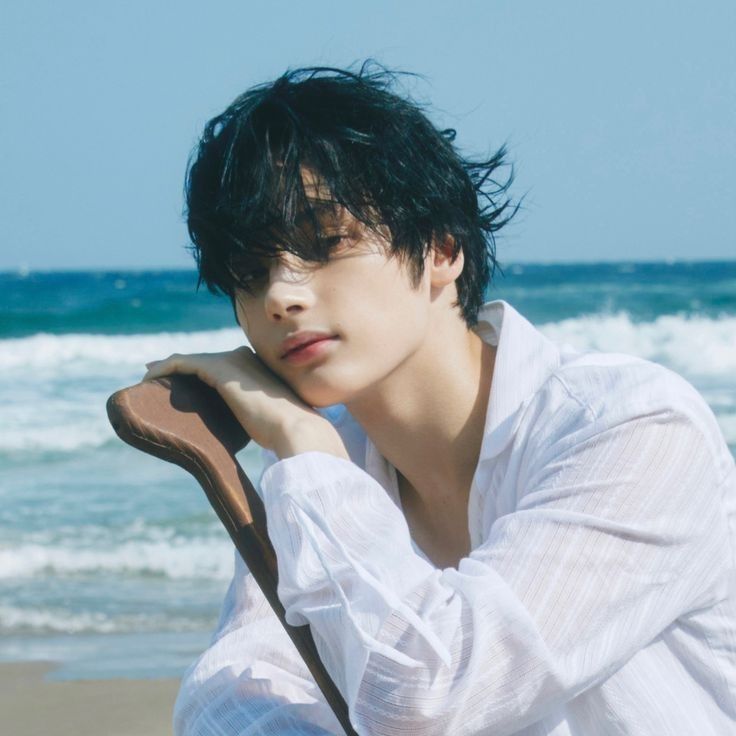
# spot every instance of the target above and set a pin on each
(617, 532)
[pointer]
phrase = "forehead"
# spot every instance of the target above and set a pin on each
(298, 205)
(314, 185)
(320, 201)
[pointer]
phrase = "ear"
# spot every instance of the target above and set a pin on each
(443, 270)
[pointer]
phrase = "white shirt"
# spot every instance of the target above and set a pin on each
(599, 596)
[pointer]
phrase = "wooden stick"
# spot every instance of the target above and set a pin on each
(183, 421)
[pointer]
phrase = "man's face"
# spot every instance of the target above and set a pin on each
(361, 297)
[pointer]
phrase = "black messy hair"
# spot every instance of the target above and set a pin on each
(373, 151)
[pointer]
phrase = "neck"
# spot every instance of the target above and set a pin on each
(427, 417)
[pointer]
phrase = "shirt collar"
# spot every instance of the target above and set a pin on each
(524, 360)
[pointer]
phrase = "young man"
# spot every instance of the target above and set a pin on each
(486, 533)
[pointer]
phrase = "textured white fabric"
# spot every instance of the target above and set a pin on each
(599, 596)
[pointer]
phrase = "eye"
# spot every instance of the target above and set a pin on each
(333, 242)
(254, 280)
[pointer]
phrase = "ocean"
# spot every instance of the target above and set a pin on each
(111, 562)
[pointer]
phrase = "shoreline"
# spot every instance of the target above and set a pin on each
(33, 704)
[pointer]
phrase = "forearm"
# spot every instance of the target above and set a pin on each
(307, 435)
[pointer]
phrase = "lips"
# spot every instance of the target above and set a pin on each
(302, 339)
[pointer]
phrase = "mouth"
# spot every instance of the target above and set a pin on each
(310, 350)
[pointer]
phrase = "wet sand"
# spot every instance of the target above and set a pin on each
(33, 706)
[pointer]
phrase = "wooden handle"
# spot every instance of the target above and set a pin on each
(183, 421)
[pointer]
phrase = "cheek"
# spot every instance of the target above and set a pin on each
(241, 314)
(249, 324)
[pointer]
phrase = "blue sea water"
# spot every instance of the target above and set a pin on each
(112, 562)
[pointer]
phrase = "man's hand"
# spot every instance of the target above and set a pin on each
(269, 410)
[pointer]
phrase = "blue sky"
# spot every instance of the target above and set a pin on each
(620, 117)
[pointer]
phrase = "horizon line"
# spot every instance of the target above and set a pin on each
(24, 270)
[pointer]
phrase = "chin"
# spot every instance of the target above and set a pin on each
(328, 385)
(322, 393)
(321, 398)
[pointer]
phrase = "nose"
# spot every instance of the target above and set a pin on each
(289, 289)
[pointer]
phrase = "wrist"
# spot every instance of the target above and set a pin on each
(309, 435)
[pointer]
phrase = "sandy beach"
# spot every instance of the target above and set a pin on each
(33, 706)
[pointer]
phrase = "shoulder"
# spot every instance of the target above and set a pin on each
(590, 393)
(610, 384)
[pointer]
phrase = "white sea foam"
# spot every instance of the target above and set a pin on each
(53, 388)
(178, 558)
(56, 435)
(14, 618)
(51, 415)
(94, 351)
(22, 620)
(694, 346)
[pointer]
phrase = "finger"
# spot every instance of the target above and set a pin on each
(159, 368)
(154, 370)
